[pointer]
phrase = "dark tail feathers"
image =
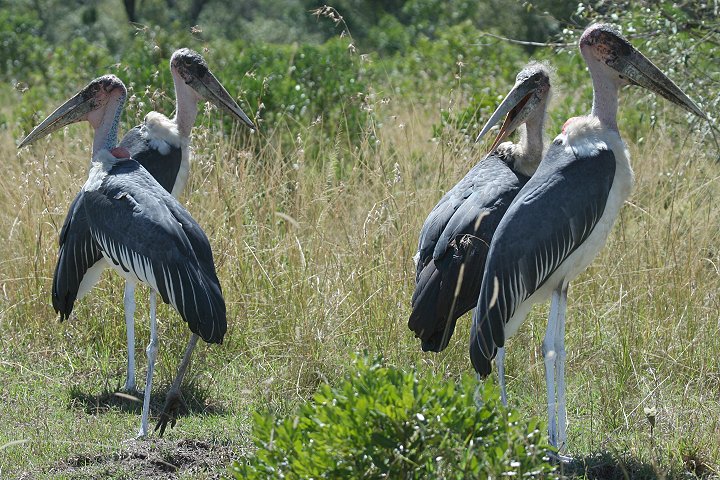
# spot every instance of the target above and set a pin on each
(436, 307)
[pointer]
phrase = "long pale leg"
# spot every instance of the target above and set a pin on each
(550, 356)
(151, 351)
(129, 300)
(500, 362)
(173, 397)
(560, 368)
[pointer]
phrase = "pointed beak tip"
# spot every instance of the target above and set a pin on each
(25, 142)
(695, 110)
(484, 132)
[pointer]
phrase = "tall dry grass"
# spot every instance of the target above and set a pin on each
(315, 258)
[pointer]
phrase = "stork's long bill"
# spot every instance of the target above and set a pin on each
(532, 86)
(194, 71)
(604, 44)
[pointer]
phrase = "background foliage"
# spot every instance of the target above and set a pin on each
(287, 64)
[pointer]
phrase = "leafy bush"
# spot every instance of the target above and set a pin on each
(21, 52)
(426, 52)
(280, 86)
(382, 422)
(299, 83)
(458, 69)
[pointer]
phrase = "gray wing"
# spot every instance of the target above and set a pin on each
(550, 218)
(78, 252)
(453, 246)
(163, 166)
(143, 229)
(486, 185)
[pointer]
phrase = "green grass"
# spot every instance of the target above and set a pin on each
(315, 259)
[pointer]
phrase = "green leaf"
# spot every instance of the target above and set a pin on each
(383, 422)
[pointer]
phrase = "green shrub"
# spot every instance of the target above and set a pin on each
(282, 86)
(22, 48)
(297, 84)
(382, 422)
(462, 71)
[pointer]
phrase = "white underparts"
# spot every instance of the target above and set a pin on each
(163, 134)
(161, 128)
(183, 172)
(91, 277)
(416, 258)
(586, 136)
(101, 163)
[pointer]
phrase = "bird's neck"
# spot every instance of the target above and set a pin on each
(605, 100)
(102, 162)
(106, 131)
(186, 106)
(531, 144)
(531, 137)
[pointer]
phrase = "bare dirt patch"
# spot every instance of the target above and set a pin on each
(153, 458)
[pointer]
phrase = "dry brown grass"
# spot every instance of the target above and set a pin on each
(314, 254)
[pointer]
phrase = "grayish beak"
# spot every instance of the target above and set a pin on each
(212, 90)
(642, 72)
(517, 105)
(74, 110)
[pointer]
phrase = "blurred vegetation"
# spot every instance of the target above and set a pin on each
(299, 64)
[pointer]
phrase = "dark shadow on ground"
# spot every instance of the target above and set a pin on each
(196, 401)
(154, 458)
(618, 466)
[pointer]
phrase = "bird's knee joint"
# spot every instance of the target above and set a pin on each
(548, 350)
(549, 354)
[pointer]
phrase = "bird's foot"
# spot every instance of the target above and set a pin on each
(130, 385)
(173, 400)
(559, 458)
(142, 433)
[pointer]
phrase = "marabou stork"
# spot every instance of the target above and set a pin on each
(455, 237)
(125, 217)
(162, 146)
(561, 218)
